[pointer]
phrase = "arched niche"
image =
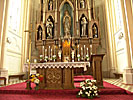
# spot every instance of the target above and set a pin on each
(50, 28)
(66, 5)
(50, 5)
(39, 32)
(83, 25)
(82, 4)
(95, 30)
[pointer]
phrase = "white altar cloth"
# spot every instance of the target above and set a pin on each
(59, 65)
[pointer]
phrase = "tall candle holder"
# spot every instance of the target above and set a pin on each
(91, 49)
(43, 51)
(84, 52)
(73, 52)
(87, 54)
(78, 55)
(46, 57)
(49, 53)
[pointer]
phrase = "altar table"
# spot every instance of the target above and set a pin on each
(57, 75)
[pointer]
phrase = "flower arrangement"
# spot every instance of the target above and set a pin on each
(37, 78)
(41, 58)
(78, 56)
(46, 58)
(87, 57)
(88, 89)
(54, 57)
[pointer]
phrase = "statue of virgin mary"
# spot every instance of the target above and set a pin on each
(67, 23)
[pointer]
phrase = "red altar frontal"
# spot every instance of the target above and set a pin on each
(57, 75)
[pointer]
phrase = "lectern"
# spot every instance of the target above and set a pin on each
(96, 61)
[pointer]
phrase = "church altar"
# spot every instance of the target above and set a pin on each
(57, 75)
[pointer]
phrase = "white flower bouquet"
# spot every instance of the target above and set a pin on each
(88, 89)
(87, 57)
(41, 57)
(78, 56)
(54, 57)
(46, 58)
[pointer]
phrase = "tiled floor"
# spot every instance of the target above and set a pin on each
(119, 83)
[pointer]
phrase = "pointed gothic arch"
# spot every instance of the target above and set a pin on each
(63, 2)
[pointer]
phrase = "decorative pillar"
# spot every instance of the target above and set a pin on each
(89, 10)
(55, 29)
(128, 23)
(3, 27)
(77, 22)
(44, 8)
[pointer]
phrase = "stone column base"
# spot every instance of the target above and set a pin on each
(128, 76)
(4, 73)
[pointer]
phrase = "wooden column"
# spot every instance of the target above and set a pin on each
(97, 68)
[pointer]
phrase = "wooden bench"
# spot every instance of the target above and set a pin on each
(18, 75)
(3, 78)
(118, 75)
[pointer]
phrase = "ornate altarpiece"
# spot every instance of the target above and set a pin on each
(67, 31)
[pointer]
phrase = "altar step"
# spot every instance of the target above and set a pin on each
(82, 78)
(20, 89)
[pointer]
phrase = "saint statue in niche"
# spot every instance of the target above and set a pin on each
(50, 5)
(82, 4)
(67, 23)
(39, 34)
(95, 33)
(49, 26)
(83, 26)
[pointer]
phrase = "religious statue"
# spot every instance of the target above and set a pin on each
(67, 23)
(40, 34)
(95, 33)
(50, 5)
(83, 26)
(82, 4)
(49, 26)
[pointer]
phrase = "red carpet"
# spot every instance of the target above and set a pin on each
(110, 92)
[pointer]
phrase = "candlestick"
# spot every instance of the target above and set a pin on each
(43, 51)
(49, 52)
(87, 51)
(84, 52)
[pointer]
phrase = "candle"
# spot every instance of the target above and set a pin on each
(81, 53)
(87, 51)
(35, 60)
(27, 60)
(49, 52)
(43, 50)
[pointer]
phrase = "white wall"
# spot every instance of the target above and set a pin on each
(121, 54)
(13, 44)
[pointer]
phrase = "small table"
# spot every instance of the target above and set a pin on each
(3, 78)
